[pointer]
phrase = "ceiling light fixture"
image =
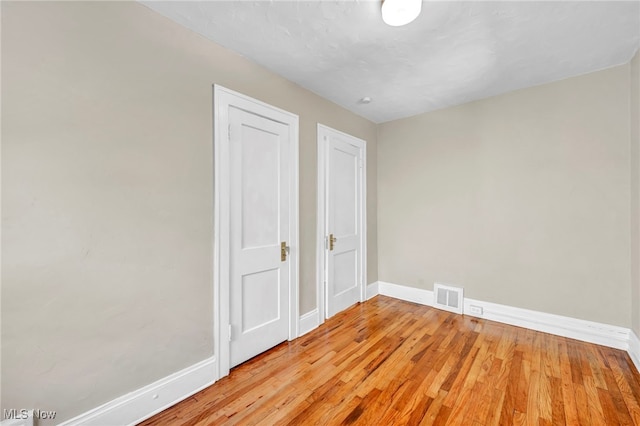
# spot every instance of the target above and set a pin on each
(400, 12)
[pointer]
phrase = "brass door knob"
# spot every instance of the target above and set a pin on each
(332, 241)
(284, 251)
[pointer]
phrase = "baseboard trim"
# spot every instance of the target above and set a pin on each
(410, 294)
(573, 328)
(587, 331)
(372, 290)
(308, 322)
(634, 349)
(143, 403)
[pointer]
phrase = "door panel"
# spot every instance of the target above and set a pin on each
(344, 204)
(344, 171)
(260, 296)
(259, 280)
(259, 179)
(345, 272)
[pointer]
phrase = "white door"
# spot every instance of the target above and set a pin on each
(255, 280)
(259, 272)
(344, 220)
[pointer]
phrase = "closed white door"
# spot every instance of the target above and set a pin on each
(259, 260)
(344, 221)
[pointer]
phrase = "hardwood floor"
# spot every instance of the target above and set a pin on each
(389, 362)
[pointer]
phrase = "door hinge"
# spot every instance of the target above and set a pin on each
(230, 332)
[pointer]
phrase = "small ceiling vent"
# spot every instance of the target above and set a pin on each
(448, 298)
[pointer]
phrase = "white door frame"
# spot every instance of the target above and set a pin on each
(322, 232)
(223, 99)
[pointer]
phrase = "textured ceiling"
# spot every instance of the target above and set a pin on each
(455, 52)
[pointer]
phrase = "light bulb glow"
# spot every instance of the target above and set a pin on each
(400, 12)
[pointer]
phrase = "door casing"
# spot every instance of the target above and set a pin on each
(223, 99)
(322, 213)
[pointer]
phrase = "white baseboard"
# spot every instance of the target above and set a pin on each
(309, 321)
(587, 331)
(372, 290)
(634, 349)
(410, 294)
(143, 403)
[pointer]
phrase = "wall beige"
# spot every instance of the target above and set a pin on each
(635, 190)
(522, 199)
(107, 196)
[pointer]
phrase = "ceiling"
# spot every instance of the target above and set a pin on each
(455, 52)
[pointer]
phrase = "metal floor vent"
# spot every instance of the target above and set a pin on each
(448, 298)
